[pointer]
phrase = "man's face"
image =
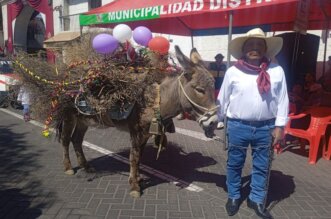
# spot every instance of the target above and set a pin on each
(309, 78)
(219, 60)
(297, 89)
(254, 48)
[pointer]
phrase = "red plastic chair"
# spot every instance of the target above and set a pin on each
(320, 118)
(292, 108)
(326, 153)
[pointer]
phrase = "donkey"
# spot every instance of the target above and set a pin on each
(192, 91)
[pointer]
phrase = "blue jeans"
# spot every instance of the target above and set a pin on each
(26, 109)
(240, 136)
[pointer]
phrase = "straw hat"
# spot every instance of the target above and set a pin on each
(274, 44)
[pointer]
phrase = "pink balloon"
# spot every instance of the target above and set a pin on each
(142, 35)
(104, 43)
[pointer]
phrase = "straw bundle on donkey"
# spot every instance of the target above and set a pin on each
(130, 96)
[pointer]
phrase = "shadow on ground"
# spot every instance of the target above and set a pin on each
(173, 161)
(281, 186)
(18, 189)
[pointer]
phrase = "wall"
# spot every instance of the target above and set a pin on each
(56, 16)
(78, 6)
(70, 10)
(106, 1)
(2, 41)
(4, 22)
(207, 46)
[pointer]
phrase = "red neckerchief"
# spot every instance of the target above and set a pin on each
(263, 80)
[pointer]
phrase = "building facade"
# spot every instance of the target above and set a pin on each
(27, 23)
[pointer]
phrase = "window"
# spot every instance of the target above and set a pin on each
(5, 67)
(94, 4)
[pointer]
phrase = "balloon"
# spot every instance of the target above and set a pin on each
(142, 35)
(159, 44)
(104, 43)
(122, 32)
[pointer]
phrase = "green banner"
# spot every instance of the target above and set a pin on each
(120, 16)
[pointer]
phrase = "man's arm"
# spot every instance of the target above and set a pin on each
(282, 111)
(224, 97)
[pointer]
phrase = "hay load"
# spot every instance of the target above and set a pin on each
(101, 82)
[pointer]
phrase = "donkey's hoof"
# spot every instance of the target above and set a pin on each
(135, 194)
(69, 172)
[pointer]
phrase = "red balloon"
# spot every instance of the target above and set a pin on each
(159, 44)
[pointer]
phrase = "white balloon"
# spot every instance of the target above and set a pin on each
(122, 32)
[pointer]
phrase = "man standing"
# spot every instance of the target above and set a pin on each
(218, 69)
(254, 99)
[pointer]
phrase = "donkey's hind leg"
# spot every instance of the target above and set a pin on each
(77, 141)
(68, 126)
(138, 142)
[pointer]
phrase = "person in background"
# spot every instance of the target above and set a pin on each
(296, 97)
(218, 69)
(329, 65)
(313, 90)
(24, 96)
(254, 99)
(325, 80)
(2, 52)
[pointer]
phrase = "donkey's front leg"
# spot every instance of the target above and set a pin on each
(135, 155)
(66, 158)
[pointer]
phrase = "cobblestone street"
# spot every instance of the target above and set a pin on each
(187, 181)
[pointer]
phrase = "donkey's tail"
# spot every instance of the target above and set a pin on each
(58, 132)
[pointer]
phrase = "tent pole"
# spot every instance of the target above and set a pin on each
(192, 41)
(229, 38)
(325, 48)
(326, 31)
(225, 137)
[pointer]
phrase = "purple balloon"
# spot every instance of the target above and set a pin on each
(142, 35)
(104, 43)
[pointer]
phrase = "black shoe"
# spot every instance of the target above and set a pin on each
(232, 206)
(259, 209)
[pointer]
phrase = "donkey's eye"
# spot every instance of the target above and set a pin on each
(200, 90)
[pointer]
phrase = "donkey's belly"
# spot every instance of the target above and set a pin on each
(106, 122)
(99, 121)
(96, 123)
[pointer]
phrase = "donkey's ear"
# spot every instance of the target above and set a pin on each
(182, 59)
(195, 57)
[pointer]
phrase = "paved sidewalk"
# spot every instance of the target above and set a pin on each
(188, 180)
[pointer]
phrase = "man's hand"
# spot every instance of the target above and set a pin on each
(277, 134)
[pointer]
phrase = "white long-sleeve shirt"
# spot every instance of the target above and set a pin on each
(24, 95)
(239, 96)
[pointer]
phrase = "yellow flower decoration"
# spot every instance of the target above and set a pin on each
(46, 133)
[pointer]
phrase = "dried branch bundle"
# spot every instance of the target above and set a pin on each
(106, 81)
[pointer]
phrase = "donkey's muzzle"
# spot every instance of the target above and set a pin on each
(209, 131)
(208, 122)
(208, 119)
